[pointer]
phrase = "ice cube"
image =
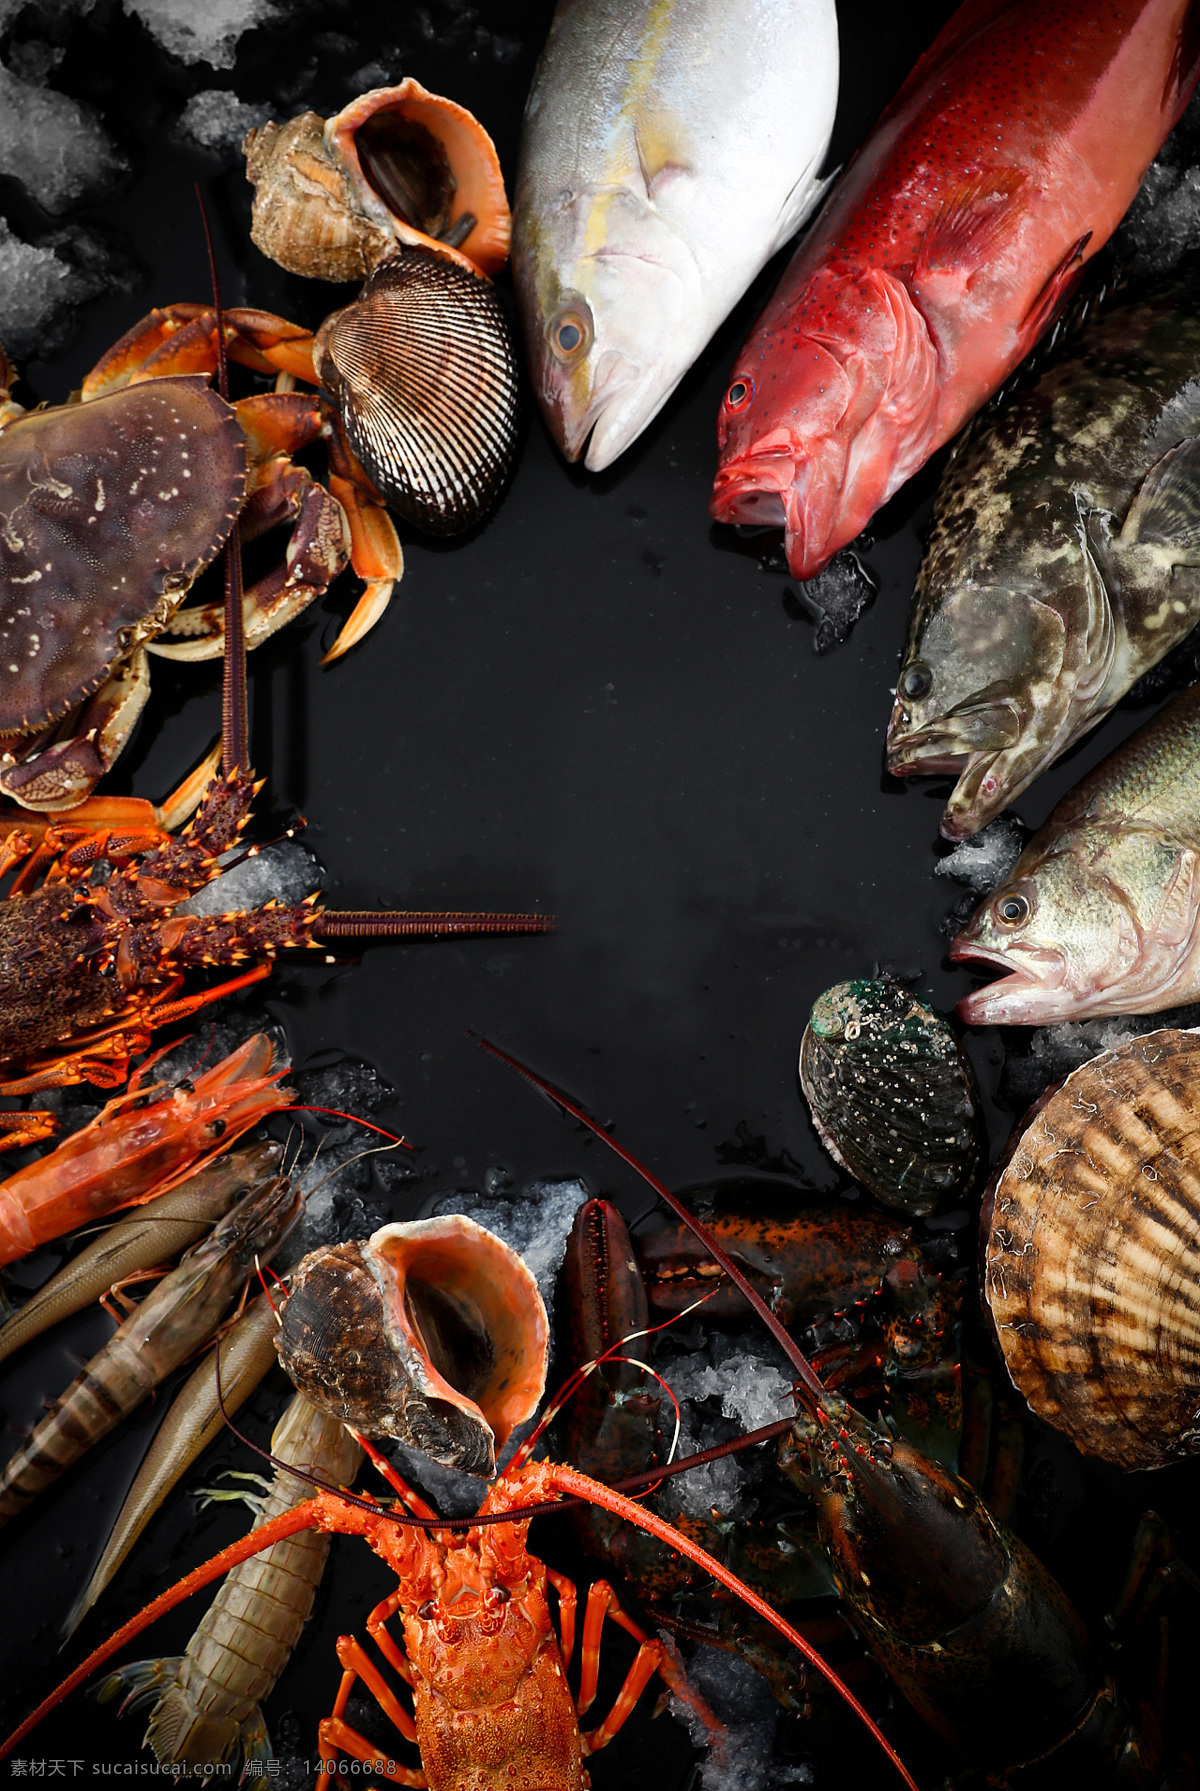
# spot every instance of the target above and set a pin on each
(41, 284)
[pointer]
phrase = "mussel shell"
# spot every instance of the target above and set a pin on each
(423, 371)
(432, 1332)
(892, 1094)
(1092, 1254)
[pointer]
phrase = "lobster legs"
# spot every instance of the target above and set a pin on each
(335, 1735)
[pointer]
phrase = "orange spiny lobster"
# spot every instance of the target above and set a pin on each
(491, 1703)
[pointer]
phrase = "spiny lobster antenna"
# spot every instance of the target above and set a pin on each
(365, 924)
(810, 1390)
(235, 726)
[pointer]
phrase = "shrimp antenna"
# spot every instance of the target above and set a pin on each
(235, 706)
(810, 1390)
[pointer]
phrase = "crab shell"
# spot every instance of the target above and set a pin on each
(327, 191)
(432, 1332)
(1091, 1247)
(142, 486)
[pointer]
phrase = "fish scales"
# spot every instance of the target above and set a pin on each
(1101, 913)
(1006, 160)
(1064, 559)
(667, 153)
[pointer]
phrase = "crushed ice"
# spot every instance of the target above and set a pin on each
(739, 1695)
(1054, 1051)
(833, 600)
(218, 121)
(52, 145)
(535, 1221)
(1163, 223)
(41, 284)
(984, 861)
(205, 32)
(285, 871)
(752, 1391)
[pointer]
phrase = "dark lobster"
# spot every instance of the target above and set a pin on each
(969, 1626)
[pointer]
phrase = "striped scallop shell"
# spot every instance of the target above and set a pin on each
(424, 373)
(1092, 1254)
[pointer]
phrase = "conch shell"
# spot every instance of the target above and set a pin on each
(432, 1332)
(336, 196)
(1092, 1254)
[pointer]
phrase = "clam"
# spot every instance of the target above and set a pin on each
(892, 1094)
(423, 371)
(1092, 1254)
(333, 197)
(432, 1332)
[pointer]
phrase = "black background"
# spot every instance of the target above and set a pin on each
(599, 704)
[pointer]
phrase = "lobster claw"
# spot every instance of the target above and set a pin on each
(432, 1332)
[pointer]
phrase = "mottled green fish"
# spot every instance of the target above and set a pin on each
(1101, 914)
(1064, 559)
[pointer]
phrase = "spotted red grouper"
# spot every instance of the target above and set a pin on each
(1006, 160)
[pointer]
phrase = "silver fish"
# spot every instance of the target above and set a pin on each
(1101, 914)
(670, 147)
(1064, 560)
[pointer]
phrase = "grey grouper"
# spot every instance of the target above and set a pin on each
(1065, 555)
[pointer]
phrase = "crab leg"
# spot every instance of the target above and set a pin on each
(375, 552)
(182, 338)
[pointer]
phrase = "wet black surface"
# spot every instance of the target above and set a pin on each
(601, 706)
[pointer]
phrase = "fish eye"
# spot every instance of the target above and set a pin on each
(1013, 910)
(739, 394)
(570, 335)
(915, 680)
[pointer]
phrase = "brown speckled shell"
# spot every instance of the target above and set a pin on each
(317, 213)
(432, 1332)
(108, 512)
(423, 371)
(1092, 1254)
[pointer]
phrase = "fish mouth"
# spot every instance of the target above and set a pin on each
(1030, 993)
(754, 490)
(607, 420)
(778, 488)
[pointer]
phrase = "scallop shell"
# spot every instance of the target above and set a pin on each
(1092, 1254)
(423, 371)
(892, 1093)
(397, 166)
(432, 1332)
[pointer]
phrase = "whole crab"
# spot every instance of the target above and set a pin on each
(113, 504)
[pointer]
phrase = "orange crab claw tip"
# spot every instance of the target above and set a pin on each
(362, 618)
(181, 803)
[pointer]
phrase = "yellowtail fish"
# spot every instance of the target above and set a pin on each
(670, 148)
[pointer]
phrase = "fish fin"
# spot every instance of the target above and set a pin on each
(800, 204)
(1057, 290)
(972, 218)
(663, 155)
(1165, 511)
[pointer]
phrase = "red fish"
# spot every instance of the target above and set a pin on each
(1006, 160)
